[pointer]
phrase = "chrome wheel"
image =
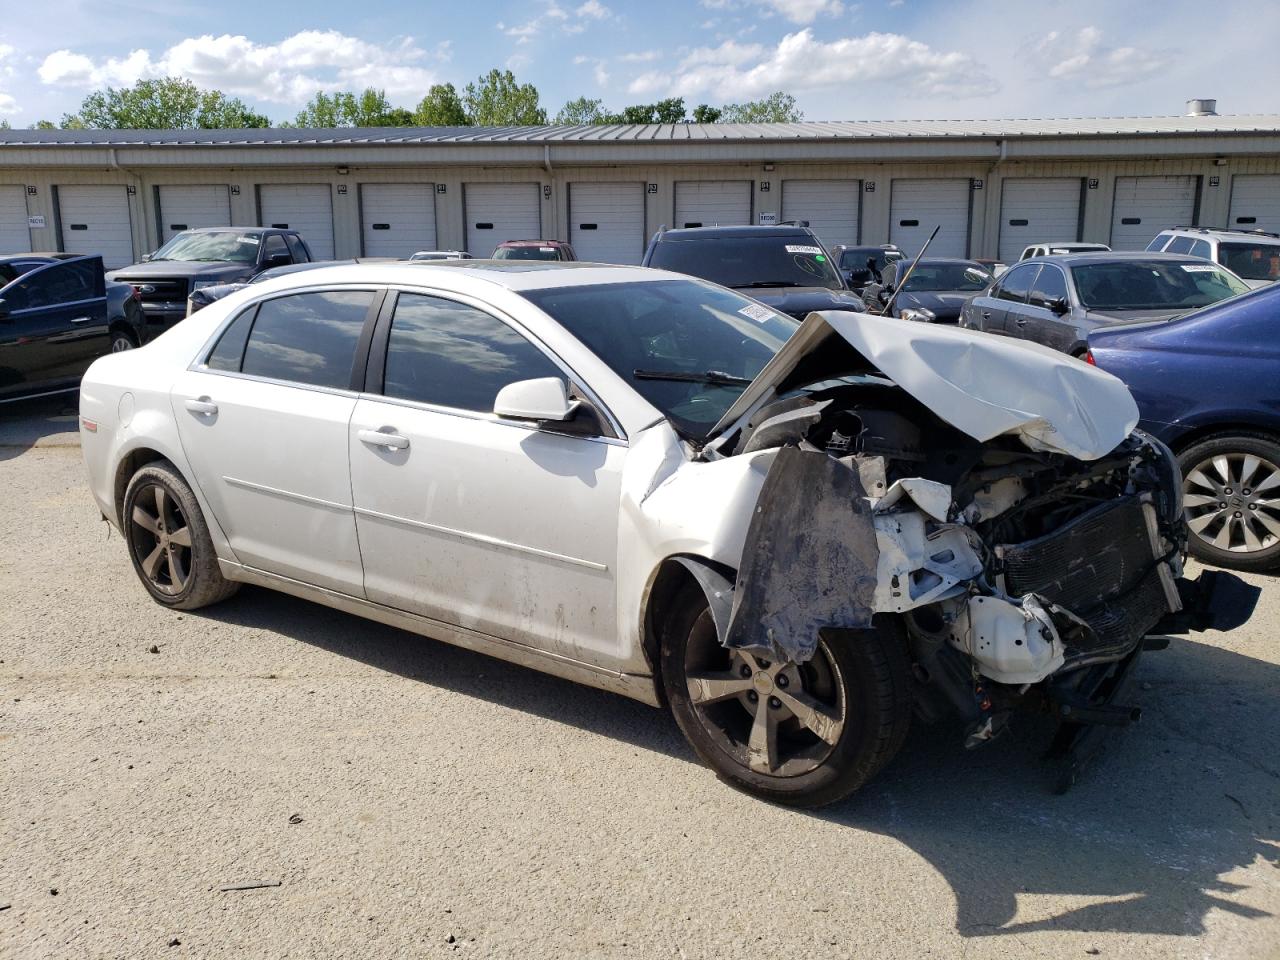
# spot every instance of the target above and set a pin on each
(777, 719)
(120, 343)
(161, 539)
(1232, 502)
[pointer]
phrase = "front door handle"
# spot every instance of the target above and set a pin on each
(986, 314)
(204, 406)
(376, 438)
(1021, 321)
(81, 319)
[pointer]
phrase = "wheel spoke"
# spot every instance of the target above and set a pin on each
(707, 688)
(160, 505)
(1223, 466)
(1198, 524)
(1223, 540)
(1201, 479)
(818, 717)
(1271, 483)
(145, 520)
(1199, 500)
(762, 748)
(1268, 521)
(181, 537)
(1248, 468)
(151, 565)
(1251, 541)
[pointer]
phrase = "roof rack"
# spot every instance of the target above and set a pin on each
(1251, 233)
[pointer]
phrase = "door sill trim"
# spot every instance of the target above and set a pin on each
(635, 686)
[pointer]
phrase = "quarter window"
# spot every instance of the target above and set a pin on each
(308, 337)
(229, 352)
(1180, 245)
(1015, 284)
(452, 355)
(296, 248)
(1201, 248)
(1050, 285)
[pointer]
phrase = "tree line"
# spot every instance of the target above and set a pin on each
(496, 99)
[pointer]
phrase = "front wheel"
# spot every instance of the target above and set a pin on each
(800, 734)
(1231, 494)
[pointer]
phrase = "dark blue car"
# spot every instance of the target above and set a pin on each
(1208, 385)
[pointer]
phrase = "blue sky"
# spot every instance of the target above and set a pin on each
(878, 59)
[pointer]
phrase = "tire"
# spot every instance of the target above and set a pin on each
(122, 340)
(860, 679)
(1229, 527)
(169, 541)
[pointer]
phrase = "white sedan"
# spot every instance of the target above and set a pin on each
(796, 536)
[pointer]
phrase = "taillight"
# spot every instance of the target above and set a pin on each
(1088, 358)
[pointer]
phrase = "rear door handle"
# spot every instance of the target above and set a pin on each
(377, 438)
(81, 319)
(204, 406)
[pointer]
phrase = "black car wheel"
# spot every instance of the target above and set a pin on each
(1231, 494)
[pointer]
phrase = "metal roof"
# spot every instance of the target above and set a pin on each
(658, 132)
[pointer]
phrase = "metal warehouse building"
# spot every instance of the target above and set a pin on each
(993, 186)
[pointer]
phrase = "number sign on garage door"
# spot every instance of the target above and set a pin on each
(917, 206)
(1146, 205)
(95, 220)
(15, 235)
(501, 211)
(1255, 202)
(187, 207)
(397, 219)
(305, 207)
(830, 206)
(1038, 210)
(712, 203)
(606, 221)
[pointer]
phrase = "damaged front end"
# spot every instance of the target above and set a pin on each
(1027, 578)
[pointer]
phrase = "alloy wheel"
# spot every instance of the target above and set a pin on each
(121, 343)
(1232, 502)
(161, 539)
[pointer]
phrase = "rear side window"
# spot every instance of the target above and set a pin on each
(228, 354)
(307, 338)
(1015, 284)
(453, 355)
(1158, 243)
(297, 248)
(1180, 245)
(1050, 285)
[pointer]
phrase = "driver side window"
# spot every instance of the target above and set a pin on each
(1015, 284)
(1050, 286)
(274, 246)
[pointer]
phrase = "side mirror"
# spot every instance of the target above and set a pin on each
(147, 256)
(1059, 305)
(277, 260)
(545, 399)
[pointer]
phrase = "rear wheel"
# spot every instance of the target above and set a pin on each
(122, 340)
(1231, 494)
(801, 734)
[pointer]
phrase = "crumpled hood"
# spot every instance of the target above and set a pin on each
(177, 269)
(945, 306)
(799, 302)
(983, 385)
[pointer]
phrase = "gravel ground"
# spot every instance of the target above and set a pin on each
(408, 799)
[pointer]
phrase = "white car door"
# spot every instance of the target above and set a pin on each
(264, 422)
(463, 517)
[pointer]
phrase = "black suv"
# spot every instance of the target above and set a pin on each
(199, 258)
(784, 267)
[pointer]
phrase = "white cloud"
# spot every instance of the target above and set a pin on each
(640, 56)
(593, 10)
(553, 13)
(800, 62)
(1083, 56)
(797, 11)
(290, 71)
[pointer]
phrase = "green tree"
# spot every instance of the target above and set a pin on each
(498, 101)
(584, 111)
(776, 108)
(705, 113)
(441, 107)
(44, 125)
(369, 108)
(670, 110)
(166, 103)
(5, 125)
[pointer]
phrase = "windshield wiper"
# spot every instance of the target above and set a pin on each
(772, 283)
(715, 377)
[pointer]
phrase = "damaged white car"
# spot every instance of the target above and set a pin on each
(799, 537)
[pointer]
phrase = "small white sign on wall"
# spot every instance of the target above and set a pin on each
(36, 221)
(768, 219)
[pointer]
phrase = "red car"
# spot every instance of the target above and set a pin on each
(534, 250)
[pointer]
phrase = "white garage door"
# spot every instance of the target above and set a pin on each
(305, 207)
(1255, 203)
(1038, 210)
(1146, 205)
(398, 218)
(830, 206)
(95, 220)
(497, 212)
(15, 235)
(713, 203)
(188, 207)
(606, 221)
(917, 206)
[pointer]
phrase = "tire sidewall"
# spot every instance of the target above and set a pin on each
(1197, 453)
(175, 486)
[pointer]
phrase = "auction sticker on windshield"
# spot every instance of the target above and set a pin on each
(795, 248)
(756, 312)
(1199, 268)
(246, 239)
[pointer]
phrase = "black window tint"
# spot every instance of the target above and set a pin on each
(1015, 284)
(1201, 248)
(1180, 245)
(1158, 242)
(228, 353)
(273, 246)
(308, 337)
(49, 286)
(296, 248)
(1050, 285)
(453, 355)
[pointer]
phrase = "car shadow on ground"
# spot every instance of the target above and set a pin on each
(45, 421)
(1144, 844)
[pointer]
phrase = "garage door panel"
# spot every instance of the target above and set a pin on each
(830, 206)
(397, 219)
(497, 212)
(15, 235)
(1038, 210)
(917, 206)
(713, 203)
(187, 207)
(95, 221)
(304, 207)
(606, 221)
(1255, 202)
(1146, 205)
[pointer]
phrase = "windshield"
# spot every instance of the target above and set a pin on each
(710, 342)
(750, 261)
(946, 276)
(856, 258)
(526, 253)
(1253, 261)
(229, 247)
(1153, 285)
